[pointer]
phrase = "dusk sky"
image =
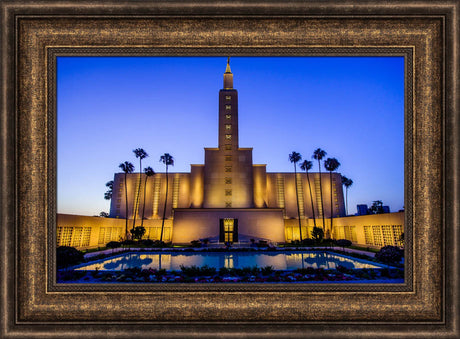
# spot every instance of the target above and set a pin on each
(351, 107)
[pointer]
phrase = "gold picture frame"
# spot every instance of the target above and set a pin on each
(32, 36)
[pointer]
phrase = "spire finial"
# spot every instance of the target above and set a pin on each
(228, 70)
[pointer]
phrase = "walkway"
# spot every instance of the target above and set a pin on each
(212, 246)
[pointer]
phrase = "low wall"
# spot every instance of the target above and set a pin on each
(374, 230)
(89, 232)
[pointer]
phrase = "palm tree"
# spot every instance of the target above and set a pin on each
(319, 154)
(149, 172)
(167, 159)
(295, 157)
(141, 154)
(307, 165)
(347, 183)
(126, 167)
(108, 194)
(331, 164)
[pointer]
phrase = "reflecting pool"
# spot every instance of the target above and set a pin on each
(279, 261)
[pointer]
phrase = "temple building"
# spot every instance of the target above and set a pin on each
(230, 199)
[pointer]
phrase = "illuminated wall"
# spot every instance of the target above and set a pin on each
(195, 224)
(179, 195)
(281, 193)
(89, 232)
(375, 230)
(192, 224)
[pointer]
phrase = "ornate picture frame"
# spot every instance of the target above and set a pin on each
(34, 305)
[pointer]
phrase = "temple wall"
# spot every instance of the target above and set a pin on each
(179, 195)
(375, 230)
(88, 232)
(195, 224)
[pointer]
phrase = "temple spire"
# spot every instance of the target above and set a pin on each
(228, 70)
(228, 76)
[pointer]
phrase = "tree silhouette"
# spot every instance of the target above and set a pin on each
(307, 165)
(319, 154)
(377, 207)
(108, 194)
(141, 154)
(149, 172)
(126, 167)
(168, 160)
(317, 234)
(295, 157)
(331, 164)
(347, 183)
(138, 232)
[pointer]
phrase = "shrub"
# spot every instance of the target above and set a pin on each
(195, 271)
(191, 271)
(67, 256)
(134, 270)
(148, 242)
(262, 243)
(389, 254)
(328, 242)
(127, 242)
(70, 275)
(317, 234)
(206, 270)
(224, 271)
(266, 270)
(113, 244)
(343, 269)
(195, 243)
(138, 232)
(343, 243)
(158, 243)
(305, 270)
(308, 242)
(250, 270)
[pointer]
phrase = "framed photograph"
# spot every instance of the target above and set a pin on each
(237, 210)
(35, 37)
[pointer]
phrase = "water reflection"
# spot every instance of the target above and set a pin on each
(279, 261)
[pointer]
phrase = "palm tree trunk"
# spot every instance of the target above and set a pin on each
(311, 200)
(143, 206)
(346, 199)
(321, 194)
(164, 209)
(136, 205)
(332, 211)
(126, 211)
(297, 199)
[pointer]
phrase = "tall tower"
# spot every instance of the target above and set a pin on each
(228, 174)
(228, 112)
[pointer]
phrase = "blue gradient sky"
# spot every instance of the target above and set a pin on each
(352, 107)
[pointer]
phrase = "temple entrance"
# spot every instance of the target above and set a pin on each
(228, 230)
